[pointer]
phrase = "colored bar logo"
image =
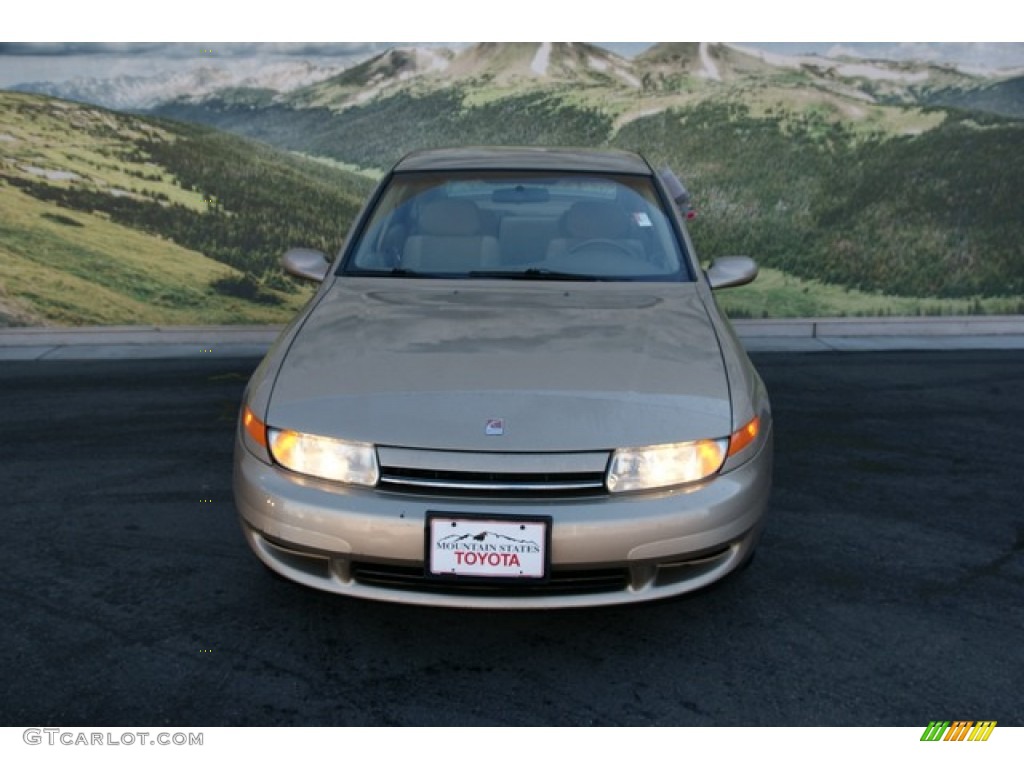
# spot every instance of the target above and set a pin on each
(959, 730)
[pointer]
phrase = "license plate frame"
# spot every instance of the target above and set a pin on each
(495, 549)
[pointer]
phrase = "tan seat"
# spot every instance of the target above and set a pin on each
(449, 238)
(595, 222)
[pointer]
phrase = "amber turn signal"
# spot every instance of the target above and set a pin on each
(744, 436)
(255, 428)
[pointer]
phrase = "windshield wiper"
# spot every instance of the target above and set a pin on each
(534, 273)
(396, 272)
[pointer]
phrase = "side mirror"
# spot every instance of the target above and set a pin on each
(730, 271)
(306, 264)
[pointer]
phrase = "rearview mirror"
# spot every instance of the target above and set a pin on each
(520, 194)
(306, 263)
(730, 271)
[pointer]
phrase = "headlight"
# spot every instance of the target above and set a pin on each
(662, 466)
(324, 457)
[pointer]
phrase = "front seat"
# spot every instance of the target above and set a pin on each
(595, 222)
(449, 237)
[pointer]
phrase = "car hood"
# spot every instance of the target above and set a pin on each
(565, 367)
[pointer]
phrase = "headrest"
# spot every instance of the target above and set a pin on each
(458, 218)
(588, 220)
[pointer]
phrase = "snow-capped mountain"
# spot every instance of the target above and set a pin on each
(369, 78)
(545, 62)
(707, 61)
(499, 64)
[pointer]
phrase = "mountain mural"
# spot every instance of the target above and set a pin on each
(862, 186)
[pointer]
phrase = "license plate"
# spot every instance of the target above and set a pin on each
(482, 547)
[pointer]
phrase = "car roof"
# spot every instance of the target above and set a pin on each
(524, 159)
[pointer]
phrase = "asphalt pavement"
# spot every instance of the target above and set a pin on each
(886, 592)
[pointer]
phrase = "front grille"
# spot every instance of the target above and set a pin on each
(560, 583)
(492, 474)
(503, 483)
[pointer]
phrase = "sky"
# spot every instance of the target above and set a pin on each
(779, 20)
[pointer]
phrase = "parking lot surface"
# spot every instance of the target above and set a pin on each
(887, 590)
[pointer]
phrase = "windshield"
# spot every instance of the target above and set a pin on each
(541, 225)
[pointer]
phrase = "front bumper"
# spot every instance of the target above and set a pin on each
(605, 550)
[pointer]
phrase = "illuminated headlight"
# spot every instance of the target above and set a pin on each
(324, 457)
(662, 466)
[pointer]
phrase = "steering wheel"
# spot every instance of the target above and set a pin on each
(600, 242)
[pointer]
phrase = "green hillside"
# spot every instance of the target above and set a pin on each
(1004, 98)
(378, 133)
(109, 219)
(67, 267)
(939, 214)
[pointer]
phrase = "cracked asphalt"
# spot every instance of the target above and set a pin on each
(887, 590)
